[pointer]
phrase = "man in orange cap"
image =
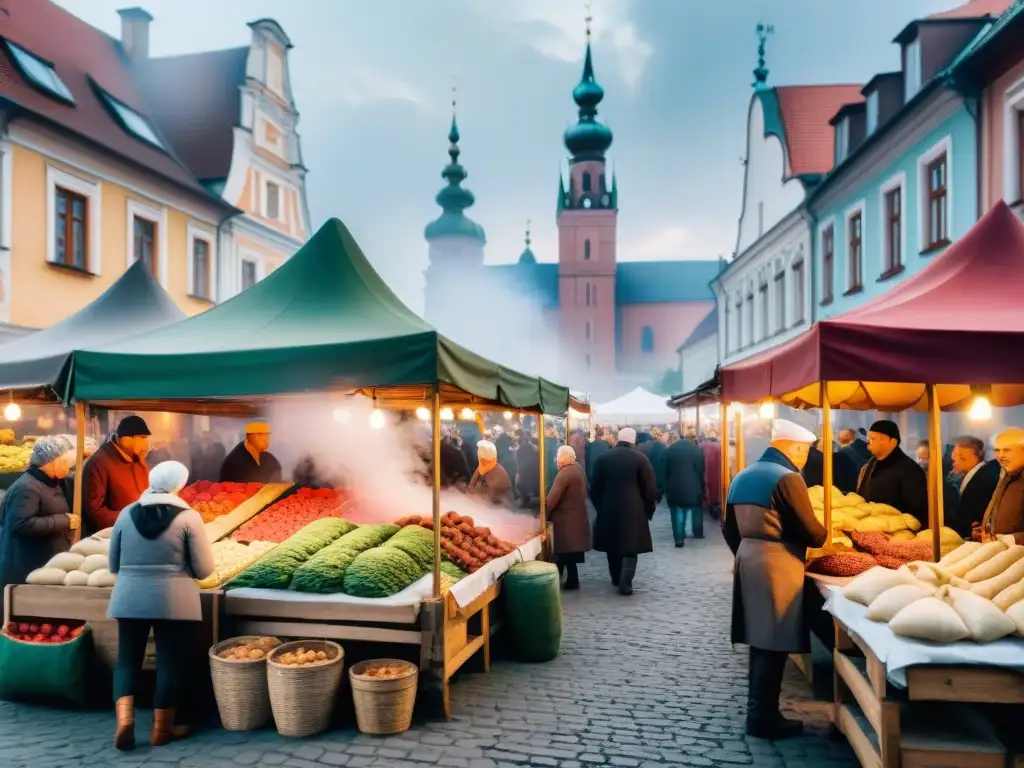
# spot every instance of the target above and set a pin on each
(251, 461)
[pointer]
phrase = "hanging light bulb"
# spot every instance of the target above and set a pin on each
(507, 415)
(767, 410)
(342, 416)
(735, 408)
(377, 420)
(447, 415)
(12, 411)
(423, 414)
(981, 409)
(467, 414)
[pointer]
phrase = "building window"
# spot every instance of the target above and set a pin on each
(760, 217)
(842, 139)
(144, 244)
(727, 335)
(762, 298)
(71, 229)
(855, 250)
(893, 230)
(872, 112)
(827, 263)
(798, 292)
(780, 302)
(912, 69)
(588, 330)
(586, 181)
(586, 250)
(201, 269)
(739, 322)
(275, 72)
(272, 201)
(248, 274)
(39, 73)
(750, 319)
(131, 121)
(937, 213)
(647, 340)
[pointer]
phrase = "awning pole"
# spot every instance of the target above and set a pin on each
(935, 483)
(76, 502)
(542, 454)
(696, 422)
(436, 453)
(826, 452)
(723, 453)
(741, 452)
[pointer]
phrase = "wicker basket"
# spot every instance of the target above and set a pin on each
(240, 687)
(383, 705)
(302, 698)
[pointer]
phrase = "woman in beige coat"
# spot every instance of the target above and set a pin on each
(567, 510)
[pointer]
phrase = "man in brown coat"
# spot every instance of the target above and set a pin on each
(116, 475)
(1005, 513)
(567, 510)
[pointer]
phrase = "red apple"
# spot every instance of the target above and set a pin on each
(33, 628)
(39, 638)
(23, 628)
(63, 629)
(46, 629)
(77, 631)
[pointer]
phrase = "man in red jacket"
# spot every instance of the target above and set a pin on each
(116, 475)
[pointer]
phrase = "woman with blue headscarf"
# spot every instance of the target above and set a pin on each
(35, 520)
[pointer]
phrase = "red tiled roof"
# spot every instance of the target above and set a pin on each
(974, 9)
(79, 52)
(195, 99)
(806, 111)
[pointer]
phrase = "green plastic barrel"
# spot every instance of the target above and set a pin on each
(534, 603)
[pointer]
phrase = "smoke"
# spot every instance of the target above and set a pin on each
(380, 466)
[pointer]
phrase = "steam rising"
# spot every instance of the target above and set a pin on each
(380, 466)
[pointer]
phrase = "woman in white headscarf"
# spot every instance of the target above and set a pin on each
(158, 550)
(567, 510)
(35, 520)
(490, 479)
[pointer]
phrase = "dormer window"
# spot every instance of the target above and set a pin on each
(39, 73)
(131, 121)
(911, 69)
(872, 112)
(842, 139)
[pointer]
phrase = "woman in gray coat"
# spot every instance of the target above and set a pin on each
(158, 549)
(35, 520)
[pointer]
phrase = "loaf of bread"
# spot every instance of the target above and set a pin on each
(958, 554)
(982, 618)
(983, 554)
(895, 599)
(1016, 614)
(996, 565)
(930, 619)
(870, 584)
(992, 587)
(1012, 594)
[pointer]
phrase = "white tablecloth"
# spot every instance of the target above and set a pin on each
(898, 653)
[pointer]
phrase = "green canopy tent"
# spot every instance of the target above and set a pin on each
(325, 320)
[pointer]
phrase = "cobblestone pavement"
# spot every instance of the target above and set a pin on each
(648, 680)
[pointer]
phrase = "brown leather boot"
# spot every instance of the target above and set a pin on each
(124, 736)
(164, 729)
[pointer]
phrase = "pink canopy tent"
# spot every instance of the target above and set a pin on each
(957, 324)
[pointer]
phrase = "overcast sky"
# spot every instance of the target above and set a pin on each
(372, 82)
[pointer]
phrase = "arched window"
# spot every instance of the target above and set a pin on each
(586, 181)
(586, 250)
(647, 339)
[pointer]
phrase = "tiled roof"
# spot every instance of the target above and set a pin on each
(196, 101)
(805, 111)
(973, 9)
(636, 282)
(705, 328)
(80, 53)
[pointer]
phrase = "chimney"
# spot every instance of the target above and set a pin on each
(135, 31)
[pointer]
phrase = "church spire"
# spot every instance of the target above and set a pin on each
(454, 199)
(527, 257)
(588, 139)
(761, 70)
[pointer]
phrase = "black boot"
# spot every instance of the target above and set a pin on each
(764, 721)
(572, 579)
(628, 572)
(614, 568)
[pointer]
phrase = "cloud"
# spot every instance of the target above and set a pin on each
(556, 30)
(359, 87)
(663, 244)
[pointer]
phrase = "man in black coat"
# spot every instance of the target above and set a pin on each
(528, 472)
(625, 493)
(978, 481)
(595, 449)
(685, 488)
(892, 477)
(652, 447)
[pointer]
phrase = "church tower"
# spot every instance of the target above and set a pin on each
(587, 213)
(456, 242)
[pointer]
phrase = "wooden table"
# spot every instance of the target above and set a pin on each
(925, 683)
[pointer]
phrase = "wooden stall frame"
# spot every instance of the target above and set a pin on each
(965, 684)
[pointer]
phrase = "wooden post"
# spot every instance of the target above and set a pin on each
(568, 423)
(696, 421)
(433, 675)
(542, 454)
(679, 418)
(723, 441)
(436, 453)
(935, 482)
(826, 452)
(741, 452)
(76, 501)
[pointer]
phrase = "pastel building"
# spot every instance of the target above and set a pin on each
(94, 177)
(615, 323)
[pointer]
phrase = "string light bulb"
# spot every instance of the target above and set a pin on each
(981, 409)
(12, 411)
(377, 420)
(767, 410)
(447, 414)
(507, 415)
(467, 414)
(423, 414)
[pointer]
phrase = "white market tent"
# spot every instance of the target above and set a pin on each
(638, 408)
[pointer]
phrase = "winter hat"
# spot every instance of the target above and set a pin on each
(887, 428)
(486, 450)
(627, 435)
(257, 428)
(48, 449)
(566, 453)
(167, 477)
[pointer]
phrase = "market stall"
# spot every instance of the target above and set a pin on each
(326, 323)
(947, 338)
(637, 407)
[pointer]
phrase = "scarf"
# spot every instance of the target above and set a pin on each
(42, 477)
(486, 465)
(988, 522)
